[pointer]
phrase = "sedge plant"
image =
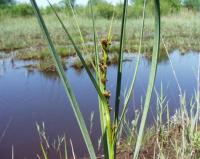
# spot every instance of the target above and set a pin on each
(109, 127)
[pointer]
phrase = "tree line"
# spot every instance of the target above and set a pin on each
(101, 8)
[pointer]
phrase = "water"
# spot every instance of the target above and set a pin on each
(27, 97)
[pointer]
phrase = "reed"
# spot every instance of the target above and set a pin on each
(109, 127)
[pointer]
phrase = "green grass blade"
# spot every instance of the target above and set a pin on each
(65, 82)
(74, 13)
(128, 96)
(95, 42)
(109, 37)
(151, 78)
(120, 59)
(77, 25)
(97, 65)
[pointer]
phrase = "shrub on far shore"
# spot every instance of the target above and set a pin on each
(22, 9)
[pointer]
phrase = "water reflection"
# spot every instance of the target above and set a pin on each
(31, 96)
(2, 67)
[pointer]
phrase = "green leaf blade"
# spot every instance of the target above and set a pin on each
(65, 82)
(151, 78)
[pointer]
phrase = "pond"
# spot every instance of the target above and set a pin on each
(27, 97)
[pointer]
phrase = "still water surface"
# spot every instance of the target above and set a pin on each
(27, 97)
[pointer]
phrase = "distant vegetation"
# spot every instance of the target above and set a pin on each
(18, 20)
(6, 2)
(102, 8)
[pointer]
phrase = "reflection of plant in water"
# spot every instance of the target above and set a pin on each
(2, 67)
(58, 148)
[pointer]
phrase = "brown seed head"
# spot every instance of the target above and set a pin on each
(105, 43)
(107, 94)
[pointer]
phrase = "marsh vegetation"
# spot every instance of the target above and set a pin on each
(134, 92)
